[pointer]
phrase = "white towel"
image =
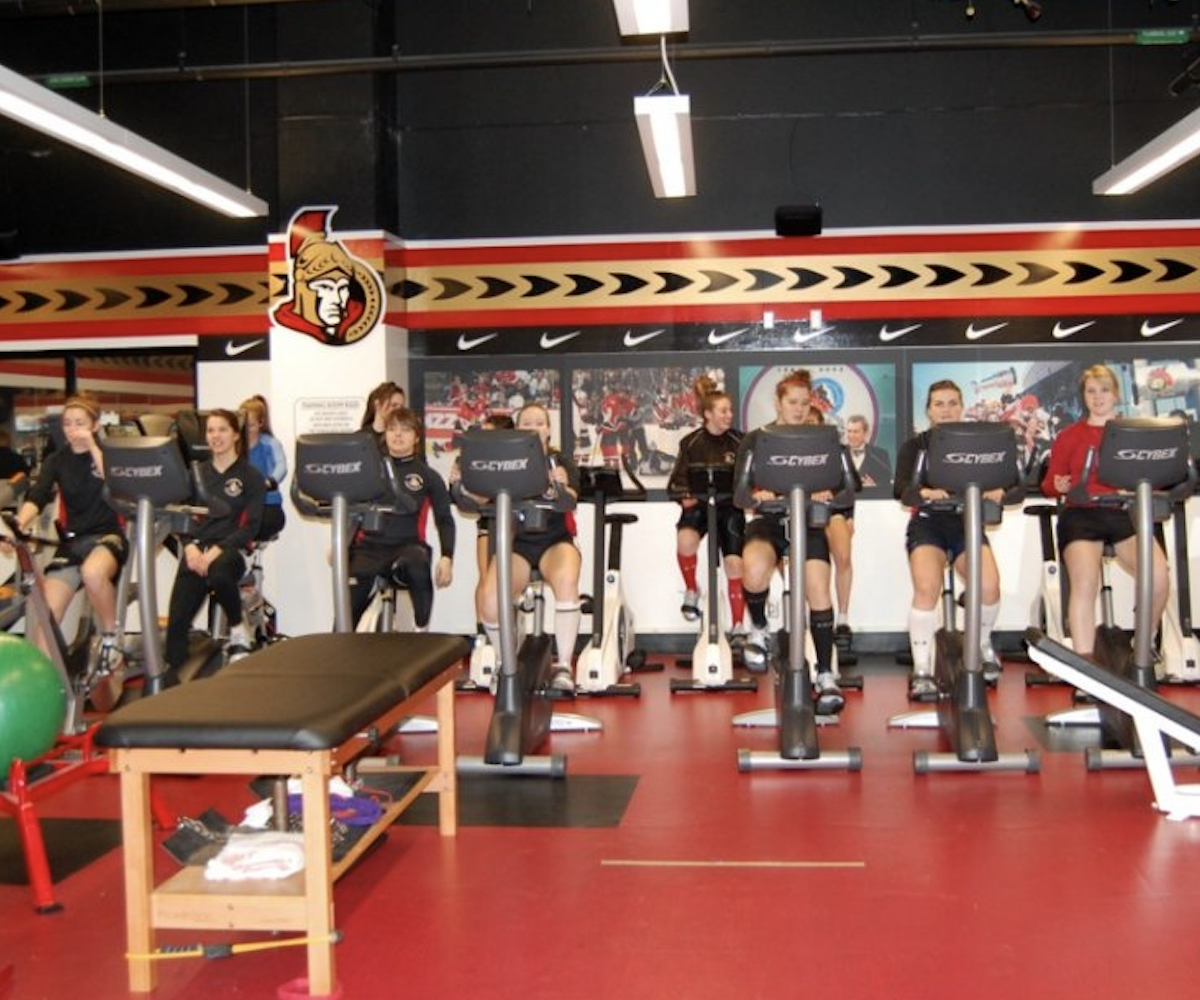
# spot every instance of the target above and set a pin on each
(268, 855)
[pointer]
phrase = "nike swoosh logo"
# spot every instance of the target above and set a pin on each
(632, 339)
(804, 338)
(466, 343)
(549, 342)
(1154, 329)
(232, 350)
(973, 334)
(1062, 332)
(887, 336)
(716, 339)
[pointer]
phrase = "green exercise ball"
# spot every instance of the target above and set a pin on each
(33, 702)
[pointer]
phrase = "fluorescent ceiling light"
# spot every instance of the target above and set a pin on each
(1164, 153)
(664, 123)
(651, 17)
(33, 105)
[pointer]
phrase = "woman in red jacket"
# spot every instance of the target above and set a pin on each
(1084, 528)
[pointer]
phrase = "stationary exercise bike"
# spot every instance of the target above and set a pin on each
(343, 478)
(712, 656)
(80, 676)
(1179, 644)
(795, 461)
(149, 480)
(1048, 613)
(101, 680)
(509, 468)
(966, 460)
(73, 754)
(612, 651)
(1148, 461)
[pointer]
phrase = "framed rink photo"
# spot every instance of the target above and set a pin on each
(456, 400)
(639, 412)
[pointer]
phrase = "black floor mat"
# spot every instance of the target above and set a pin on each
(577, 800)
(71, 844)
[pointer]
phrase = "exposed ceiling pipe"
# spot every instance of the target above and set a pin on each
(398, 63)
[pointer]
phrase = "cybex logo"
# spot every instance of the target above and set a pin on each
(499, 465)
(1146, 454)
(974, 458)
(135, 471)
(333, 468)
(797, 461)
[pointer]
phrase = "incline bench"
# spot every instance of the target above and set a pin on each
(1154, 717)
(308, 707)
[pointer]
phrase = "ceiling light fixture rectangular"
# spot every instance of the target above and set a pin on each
(664, 123)
(1160, 155)
(25, 101)
(651, 17)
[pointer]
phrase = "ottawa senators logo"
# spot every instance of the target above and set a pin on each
(334, 297)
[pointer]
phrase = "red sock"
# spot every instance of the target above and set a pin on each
(737, 601)
(687, 566)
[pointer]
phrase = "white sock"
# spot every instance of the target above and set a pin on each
(922, 626)
(492, 631)
(988, 614)
(566, 631)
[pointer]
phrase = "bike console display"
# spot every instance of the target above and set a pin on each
(1144, 449)
(703, 478)
(345, 465)
(972, 454)
(805, 456)
(147, 468)
(511, 461)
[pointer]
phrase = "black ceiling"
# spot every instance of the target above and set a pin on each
(493, 118)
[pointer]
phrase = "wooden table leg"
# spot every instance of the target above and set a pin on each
(318, 881)
(447, 763)
(138, 850)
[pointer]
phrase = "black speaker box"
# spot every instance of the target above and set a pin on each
(798, 220)
(10, 243)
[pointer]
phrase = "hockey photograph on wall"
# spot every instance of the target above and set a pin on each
(639, 414)
(456, 401)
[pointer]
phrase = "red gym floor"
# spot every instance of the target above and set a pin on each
(714, 884)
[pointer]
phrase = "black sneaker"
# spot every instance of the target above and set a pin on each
(843, 639)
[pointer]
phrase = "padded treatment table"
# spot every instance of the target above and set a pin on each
(305, 707)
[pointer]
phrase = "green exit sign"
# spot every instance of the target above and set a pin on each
(68, 81)
(1163, 36)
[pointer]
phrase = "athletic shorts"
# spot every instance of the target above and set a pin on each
(943, 530)
(1093, 524)
(731, 526)
(770, 529)
(70, 556)
(531, 546)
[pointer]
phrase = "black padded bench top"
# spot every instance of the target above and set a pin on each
(1122, 685)
(312, 692)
